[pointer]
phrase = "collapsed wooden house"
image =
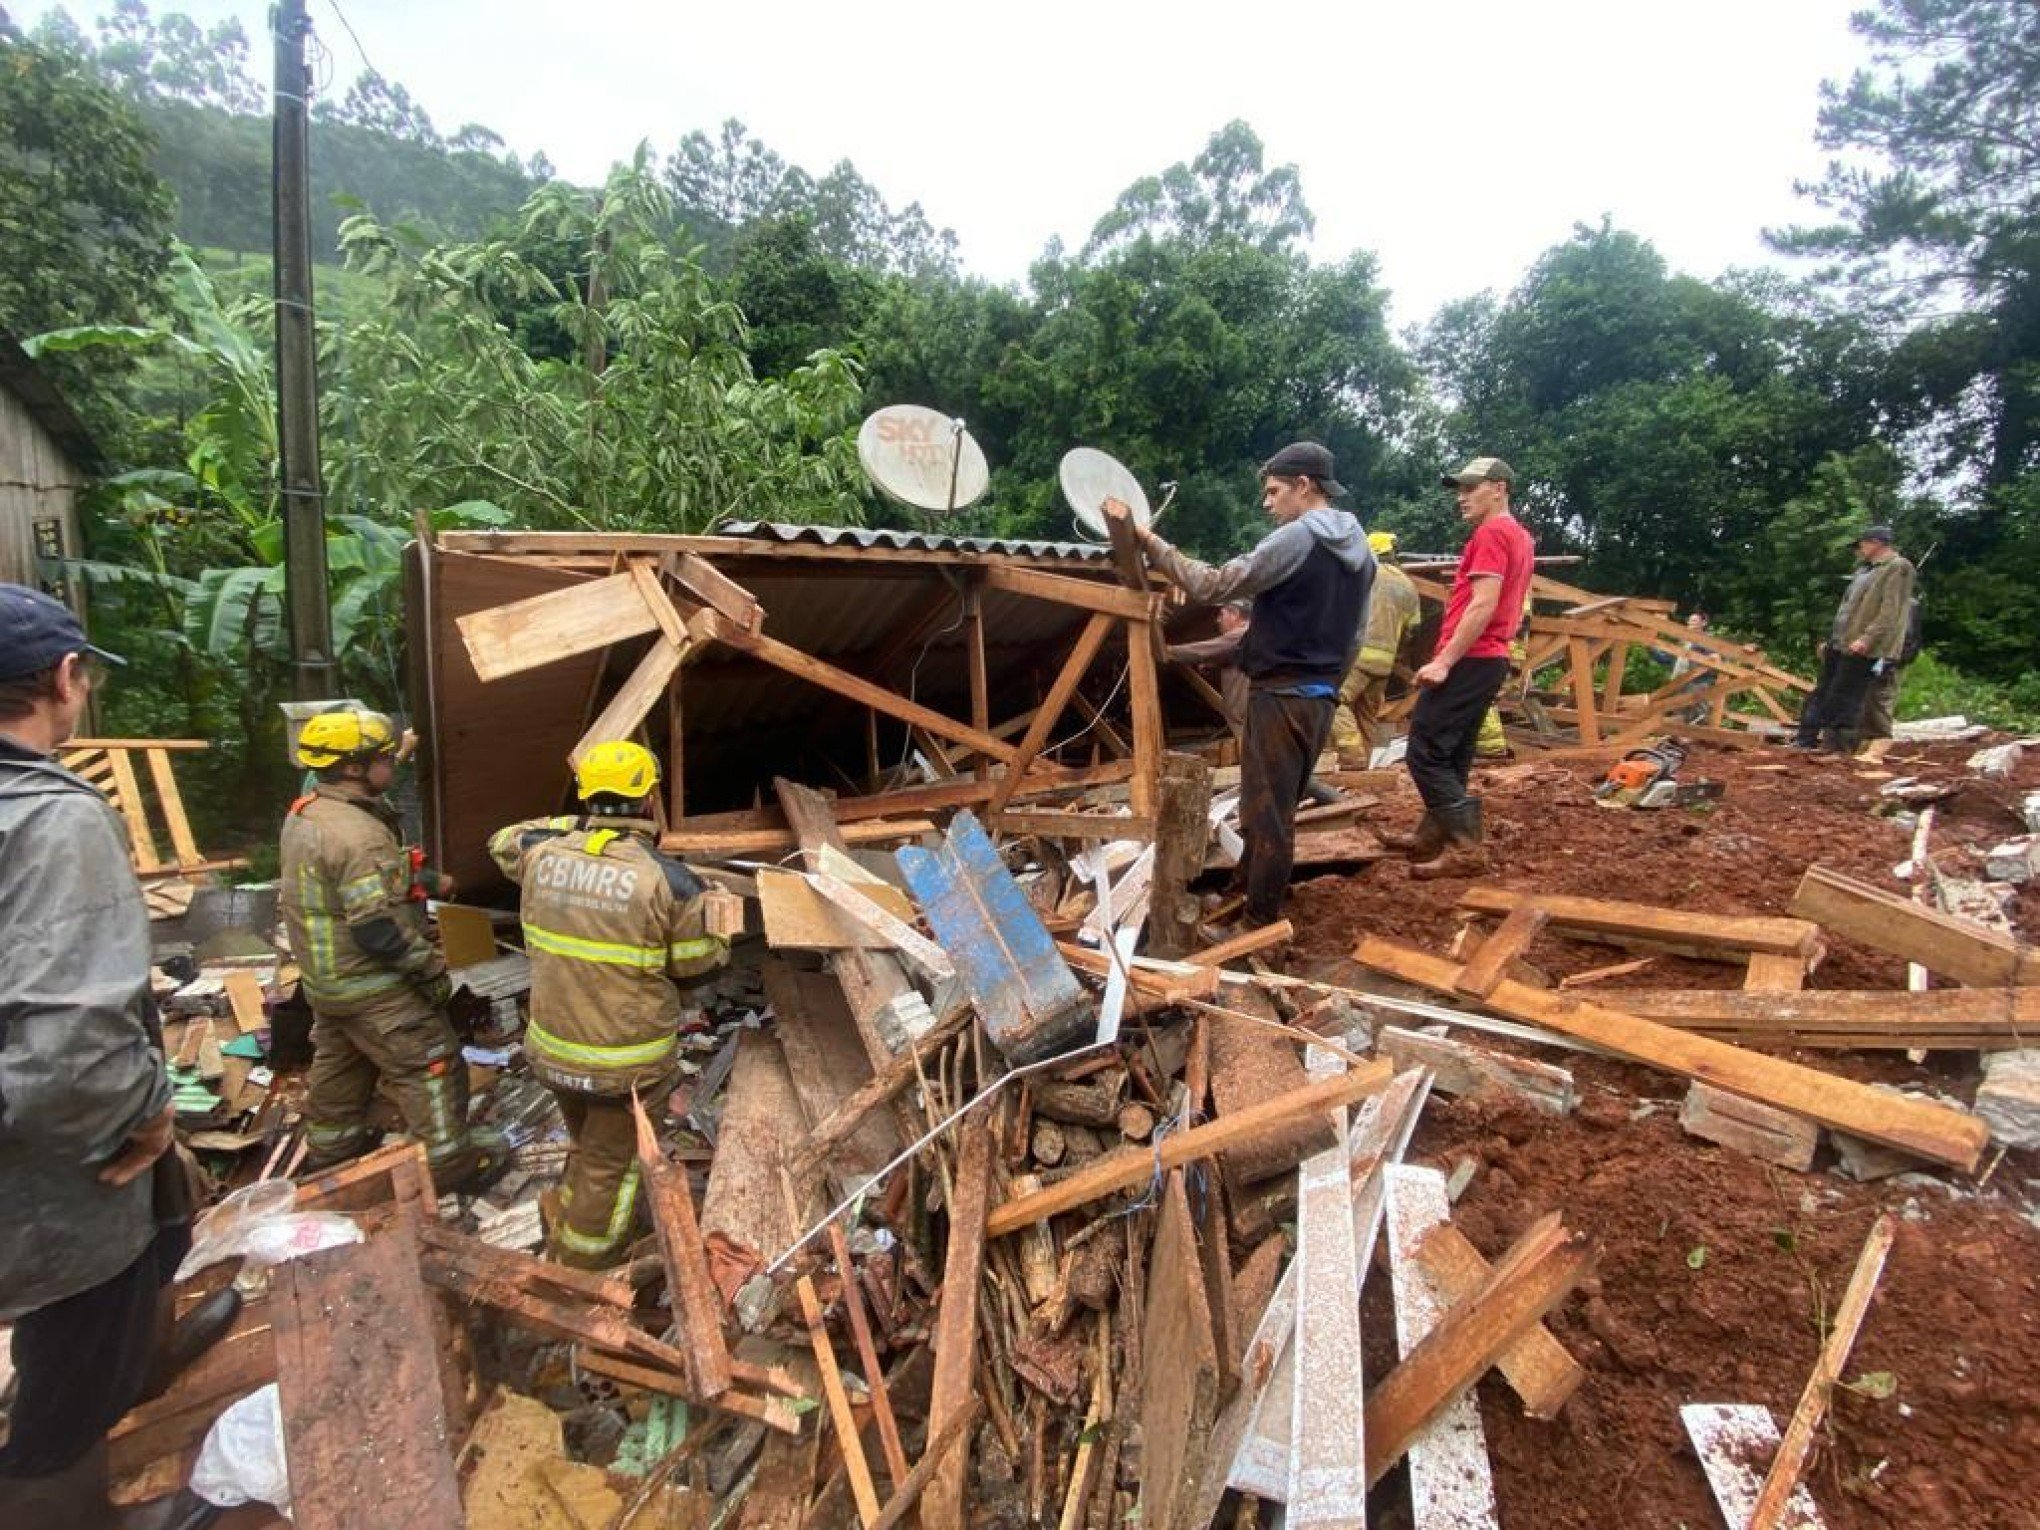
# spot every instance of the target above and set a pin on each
(825, 655)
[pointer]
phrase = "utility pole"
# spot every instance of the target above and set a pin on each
(297, 379)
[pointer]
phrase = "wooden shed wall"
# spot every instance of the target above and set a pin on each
(39, 483)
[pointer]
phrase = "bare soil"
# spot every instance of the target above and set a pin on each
(1715, 1270)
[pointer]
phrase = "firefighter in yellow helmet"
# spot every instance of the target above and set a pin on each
(353, 902)
(1392, 611)
(1491, 743)
(610, 924)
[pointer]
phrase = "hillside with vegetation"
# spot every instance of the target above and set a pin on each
(695, 339)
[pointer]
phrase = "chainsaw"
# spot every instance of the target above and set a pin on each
(1648, 778)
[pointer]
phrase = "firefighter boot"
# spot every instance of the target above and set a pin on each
(1463, 853)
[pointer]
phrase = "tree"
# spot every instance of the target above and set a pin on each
(383, 106)
(84, 220)
(1225, 193)
(1936, 190)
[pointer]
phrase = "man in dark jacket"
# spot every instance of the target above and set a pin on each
(1310, 579)
(90, 1234)
(1868, 636)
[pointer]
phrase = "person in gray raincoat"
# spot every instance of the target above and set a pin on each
(94, 1218)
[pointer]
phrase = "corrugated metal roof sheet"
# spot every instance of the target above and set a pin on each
(921, 541)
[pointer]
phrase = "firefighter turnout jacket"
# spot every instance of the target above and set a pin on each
(609, 924)
(1392, 609)
(358, 937)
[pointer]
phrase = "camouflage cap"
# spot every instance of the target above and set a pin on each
(1480, 470)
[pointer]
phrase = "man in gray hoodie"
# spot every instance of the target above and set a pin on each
(89, 1235)
(1310, 579)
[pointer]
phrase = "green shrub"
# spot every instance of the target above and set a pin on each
(1931, 688)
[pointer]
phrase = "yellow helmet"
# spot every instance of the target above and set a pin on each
(345, 734)
(1381, 543)
(617, 768)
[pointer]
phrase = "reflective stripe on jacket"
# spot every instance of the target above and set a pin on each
(1392, 610)
(343, 867)
(609, 923)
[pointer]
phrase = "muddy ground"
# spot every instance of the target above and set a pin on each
(1715, 1269)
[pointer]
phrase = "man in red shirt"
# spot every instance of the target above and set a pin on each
(1466, 672)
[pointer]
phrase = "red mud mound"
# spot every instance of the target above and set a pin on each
(1715, 1270)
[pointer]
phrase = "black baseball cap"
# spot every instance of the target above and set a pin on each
(1304, 459)
(37, 630)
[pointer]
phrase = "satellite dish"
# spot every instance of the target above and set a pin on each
(1089, 478)
(923, 458)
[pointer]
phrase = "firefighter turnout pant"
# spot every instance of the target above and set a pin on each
(599, 1199)
(1356, 724)
(399, 1040)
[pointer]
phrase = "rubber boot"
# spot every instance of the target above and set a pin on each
(1463, 854)
(189, 1337)
(492, 1158)
(1421, 843)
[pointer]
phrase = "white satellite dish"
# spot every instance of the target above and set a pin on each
(1089, 478)
(923, 458)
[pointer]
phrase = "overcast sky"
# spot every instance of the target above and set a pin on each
(1456, 139)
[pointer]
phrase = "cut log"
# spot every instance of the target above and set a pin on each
(1249, 1064)
(1937, 1132)
(1119, 1171)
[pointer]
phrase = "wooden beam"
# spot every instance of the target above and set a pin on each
(980, 683)
(505, 640)
(128, 798)
(1863, 1016)
(720, 593)
(1928, 1130)
(634, 701)
(1524, 1284)
(1051, 709)
(1246, 944)
(690, 1289)
(1150, 733)
(1726, 933)
(1327, 1445)
(1519, 928)
(785, 657)
(1580, 659)
(862, 1489)
(1179, 1368)
(837, 1127)
(1084, 594)
(867, 1355)
(956, 1360)
(769, 841)
(1091, 826)
(1182, 830)
(1813, 1402)
(1942, 943)
(1118, 1171)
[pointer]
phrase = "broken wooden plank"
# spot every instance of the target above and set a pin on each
(785, 1480)
(1733, 1442)
(634, 699)
(1525, 1283)
(1834, 1354)
(1536, 1366)
(1937, 1132)
(956, 1329)
(1243, 945)
(827, 1062)
(1730, 936)
(691, 1290)
(1179, 1369)
(842, 1123)
(867, 1355)
(1458, 1067)
(716, 590)
(1118, 1171)
(1030, 1002)
(1451, 1481)
(743, 1200)
(505, 640)
(1327, 1440)
(1087, 826)
(941, 1442)
(1084, 594)
(1182, 829)
(798, 916)
(1512, 939)
(1942, 943)
(784, 657)
(857, 904)
(1250, 1444)
(1855, 1017)
(863, 1490)
(1170, 985)
(1049, 713)
(1769, 973)
(1761, 1131)
(364, 1418)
